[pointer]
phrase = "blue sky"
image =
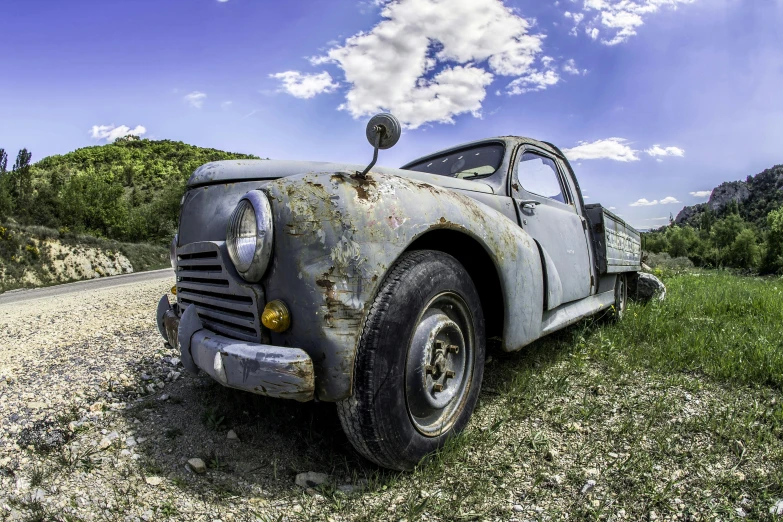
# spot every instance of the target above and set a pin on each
(657, 100)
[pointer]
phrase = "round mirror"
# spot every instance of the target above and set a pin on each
(387, 126)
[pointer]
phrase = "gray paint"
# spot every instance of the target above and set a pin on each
(337, 234)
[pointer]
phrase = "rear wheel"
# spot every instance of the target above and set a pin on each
(419, 364)
(620, 297)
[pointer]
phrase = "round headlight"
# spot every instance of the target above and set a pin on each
(249, 236)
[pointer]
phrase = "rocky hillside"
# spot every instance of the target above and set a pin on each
(755, 197)
(37, 256)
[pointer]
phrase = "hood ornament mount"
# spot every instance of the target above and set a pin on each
(383, 132)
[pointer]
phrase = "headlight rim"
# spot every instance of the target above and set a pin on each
(173, 252)
(259, 203)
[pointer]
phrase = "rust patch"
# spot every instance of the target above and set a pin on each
(442, 220)
(515, 186)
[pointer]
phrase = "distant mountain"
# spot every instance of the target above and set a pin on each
(755, 197)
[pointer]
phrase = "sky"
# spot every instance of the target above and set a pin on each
(655, 102)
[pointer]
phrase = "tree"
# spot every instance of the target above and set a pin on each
(3, 162)
(744, 251)
(23, 183)
(773, 257)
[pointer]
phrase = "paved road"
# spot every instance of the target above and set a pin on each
(20, 296)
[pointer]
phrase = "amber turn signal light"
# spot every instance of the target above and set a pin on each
(174, 290)
(276, 316)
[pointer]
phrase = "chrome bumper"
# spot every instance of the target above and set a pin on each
(274, 371)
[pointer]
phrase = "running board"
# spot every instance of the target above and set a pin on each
(571, 313)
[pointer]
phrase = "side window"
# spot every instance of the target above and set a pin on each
(539, 176)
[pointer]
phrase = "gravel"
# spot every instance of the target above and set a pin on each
(99, 421)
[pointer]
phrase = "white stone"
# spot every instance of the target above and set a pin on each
(588, 487)
(232, 435)
(154, 481)
(311, 479)
(197, 465)
(777, 509)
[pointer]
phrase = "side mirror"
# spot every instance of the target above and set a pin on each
(383, 132)
(386, 127)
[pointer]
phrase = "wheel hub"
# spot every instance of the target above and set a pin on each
(438, 366)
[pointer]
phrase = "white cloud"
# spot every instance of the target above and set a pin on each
(305, 86)
(658, 219)
(612, 208)
(195, 99)
(112, 132)
(701, 194)
(657, 150)
(570, 67)
(226, 104)
(622, 18)
(669, 200)
(615, 149)
(644, 203)
(430, 60)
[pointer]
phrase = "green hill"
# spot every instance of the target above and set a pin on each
(128, 190)
(741, 226)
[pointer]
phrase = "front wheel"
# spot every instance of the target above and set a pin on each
(420, 362)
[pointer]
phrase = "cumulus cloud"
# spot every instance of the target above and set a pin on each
(305, 86)
(657, 150)
(570, 67)
(431, 60)
(621, 18)
(195, 99)
(112, 132)
(616, 149)
(668, 200)
(644, 203)
(701, 194)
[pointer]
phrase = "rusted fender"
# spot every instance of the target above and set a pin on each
(336, 235)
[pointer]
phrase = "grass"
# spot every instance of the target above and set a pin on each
(673, 412)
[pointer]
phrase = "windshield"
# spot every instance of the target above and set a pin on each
(472, 163)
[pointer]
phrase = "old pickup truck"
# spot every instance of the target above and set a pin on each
(377, 288)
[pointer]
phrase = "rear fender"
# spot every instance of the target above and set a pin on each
(336, 236)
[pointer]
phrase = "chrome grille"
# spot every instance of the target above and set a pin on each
(223, 304)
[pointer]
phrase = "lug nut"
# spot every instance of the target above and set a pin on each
(450, 374)
(453, 348)
(437, 387)
(429, 369)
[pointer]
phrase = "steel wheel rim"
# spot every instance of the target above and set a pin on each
(621, 296)
(439, 364)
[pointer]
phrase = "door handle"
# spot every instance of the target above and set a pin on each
(528, 203)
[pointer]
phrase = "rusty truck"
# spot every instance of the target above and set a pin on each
(378, 288)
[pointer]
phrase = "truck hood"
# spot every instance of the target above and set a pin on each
(249, 170)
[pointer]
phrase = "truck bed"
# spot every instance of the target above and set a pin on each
(617, 245)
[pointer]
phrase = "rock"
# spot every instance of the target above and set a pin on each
(232, 435)
(348, 488)
(644, 287)
(311, 479)
(108, 440)
(163, 397)
(588, 487)
(197, 465)
(154, 481)
(592, 473)
(516, 508)
(38, 495)
(174, 361)
(551, 454)
(652, 515)
(777, 509)
(130, 442)
(740, 512)
(98, 406)
(613, 455)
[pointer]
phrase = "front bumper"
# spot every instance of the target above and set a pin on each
(274, 371)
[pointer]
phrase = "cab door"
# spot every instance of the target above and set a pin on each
(547, 211)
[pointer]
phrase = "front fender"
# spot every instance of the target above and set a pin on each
(336, 235)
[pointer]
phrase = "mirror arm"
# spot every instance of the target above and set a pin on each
(380, 132)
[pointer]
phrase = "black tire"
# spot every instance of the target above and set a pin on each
(620, 297)
(392, 417)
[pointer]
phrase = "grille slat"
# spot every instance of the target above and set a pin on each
(202, 274)
(224, 305)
